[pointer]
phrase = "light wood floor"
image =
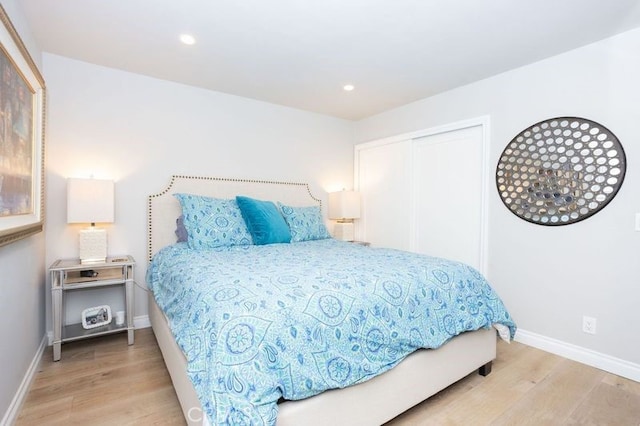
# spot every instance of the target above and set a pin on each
(103, 381)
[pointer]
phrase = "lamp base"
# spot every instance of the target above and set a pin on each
(93, 245)
(343, 231)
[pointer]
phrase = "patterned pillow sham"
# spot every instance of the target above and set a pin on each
(305, 223)
(212, 222)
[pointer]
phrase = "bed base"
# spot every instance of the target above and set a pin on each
(416, 378)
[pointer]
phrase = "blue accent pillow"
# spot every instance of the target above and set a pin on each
(212, 222)
(264, 221)
(305, 223)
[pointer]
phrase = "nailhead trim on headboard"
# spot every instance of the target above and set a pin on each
(186, 177)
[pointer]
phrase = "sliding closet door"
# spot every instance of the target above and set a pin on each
(448, 181)
(383, 179)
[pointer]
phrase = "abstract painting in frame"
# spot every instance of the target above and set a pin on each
(22, 102)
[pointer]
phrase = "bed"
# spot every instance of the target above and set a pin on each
(375, 397)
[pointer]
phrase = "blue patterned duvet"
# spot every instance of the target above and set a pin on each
(260, 323)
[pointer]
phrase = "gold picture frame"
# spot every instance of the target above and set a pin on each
(22, 118)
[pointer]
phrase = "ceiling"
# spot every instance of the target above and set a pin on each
(301, 53)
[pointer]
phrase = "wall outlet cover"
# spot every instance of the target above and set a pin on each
(589, 325)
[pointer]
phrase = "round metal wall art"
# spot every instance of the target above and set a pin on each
(560, 171)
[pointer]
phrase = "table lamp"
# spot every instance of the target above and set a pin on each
(91, 201)
(344, 206)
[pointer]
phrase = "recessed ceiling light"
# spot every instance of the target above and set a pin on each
(187, 39)
(348, 87)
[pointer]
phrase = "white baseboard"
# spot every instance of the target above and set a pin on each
(11, 415)
(141, 321)
(586, 356)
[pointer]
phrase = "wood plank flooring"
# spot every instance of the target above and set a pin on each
(103, 381)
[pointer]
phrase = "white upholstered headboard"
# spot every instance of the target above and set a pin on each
(163, 208)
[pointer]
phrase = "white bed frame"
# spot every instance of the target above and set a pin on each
(376, 401)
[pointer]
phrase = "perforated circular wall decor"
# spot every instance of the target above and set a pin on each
(560, 171)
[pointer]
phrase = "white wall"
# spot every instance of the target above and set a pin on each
(549, 277)
(22, 280)
(139, 131)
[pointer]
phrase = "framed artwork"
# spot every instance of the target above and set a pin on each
(22, 106)
(96, 317)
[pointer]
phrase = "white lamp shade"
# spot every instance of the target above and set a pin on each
(344, 205)
(90, 201)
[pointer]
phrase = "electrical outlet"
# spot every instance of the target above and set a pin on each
(589, 325)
